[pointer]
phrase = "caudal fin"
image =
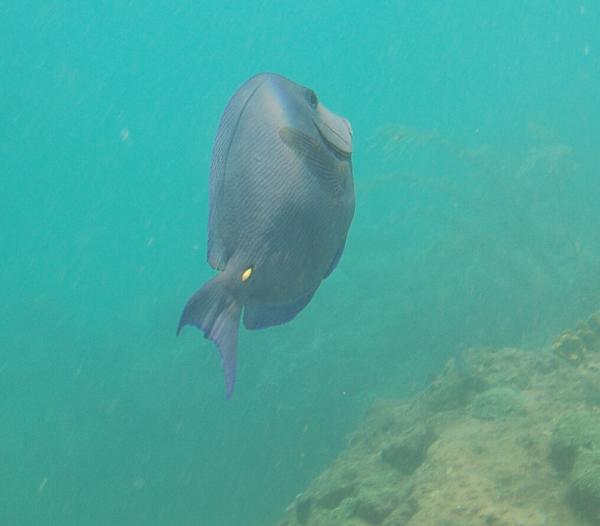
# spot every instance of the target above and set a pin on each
(217, 314)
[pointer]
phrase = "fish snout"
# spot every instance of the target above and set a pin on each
(336, 130)
(349, 126)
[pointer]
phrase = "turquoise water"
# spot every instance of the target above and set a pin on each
(476, 165)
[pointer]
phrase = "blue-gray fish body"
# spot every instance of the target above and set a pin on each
(281, 203)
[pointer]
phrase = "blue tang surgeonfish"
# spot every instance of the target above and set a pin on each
(281, 204)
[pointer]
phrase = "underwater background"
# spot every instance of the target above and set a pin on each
(476, 163)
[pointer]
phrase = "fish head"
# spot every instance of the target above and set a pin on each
(335, 130)
(299, 107)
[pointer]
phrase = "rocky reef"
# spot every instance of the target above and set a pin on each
(509, 438)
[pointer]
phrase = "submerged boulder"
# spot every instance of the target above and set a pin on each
(408, 452)
(584, 489)
(496, 404)
(573, 434)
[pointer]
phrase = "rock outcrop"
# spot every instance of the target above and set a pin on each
(509, 438)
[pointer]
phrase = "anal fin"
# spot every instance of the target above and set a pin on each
(259, 316)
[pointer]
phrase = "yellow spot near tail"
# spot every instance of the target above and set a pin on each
(246, 274)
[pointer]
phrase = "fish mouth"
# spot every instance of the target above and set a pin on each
(334, 130)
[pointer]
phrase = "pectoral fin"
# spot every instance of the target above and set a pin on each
(315, 155)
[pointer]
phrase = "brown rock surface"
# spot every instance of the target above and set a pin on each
(487, 444)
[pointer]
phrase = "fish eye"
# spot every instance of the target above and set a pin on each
(311, 96)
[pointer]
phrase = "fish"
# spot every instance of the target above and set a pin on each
(281, 201)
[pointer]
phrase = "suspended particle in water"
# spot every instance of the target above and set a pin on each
(43, 484)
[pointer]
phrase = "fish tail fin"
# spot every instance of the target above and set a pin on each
(216, 312)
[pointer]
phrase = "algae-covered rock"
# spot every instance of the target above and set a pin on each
(573, 434)
(454, 389)
(381, 498)
(374, 504)
(402, 514)
(496, 404)
(466, 451)
(594, 324)
(584, 490)
(577, 346)
(303, 506)
(408, 452)
(387, 419)
(332, 497)
(570, 347)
